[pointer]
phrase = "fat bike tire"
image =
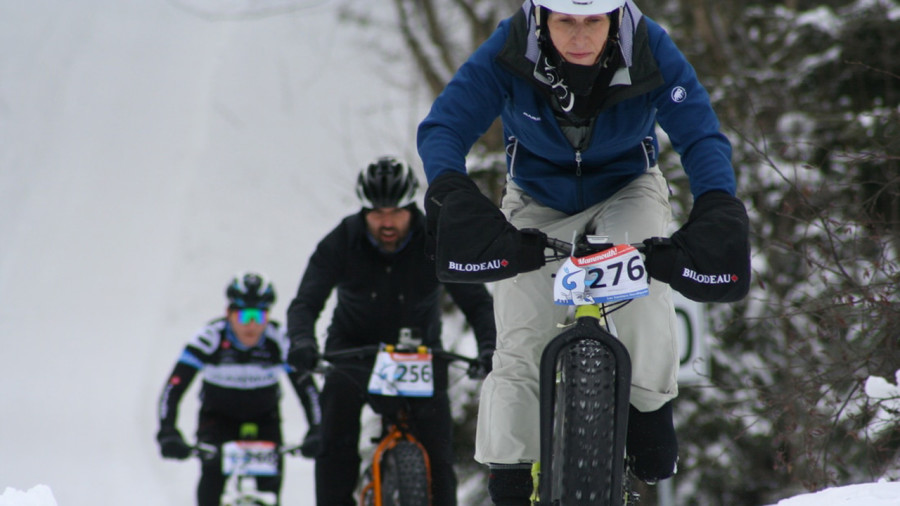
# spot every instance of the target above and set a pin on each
(585, 387)
(584, 424)
(404, 476)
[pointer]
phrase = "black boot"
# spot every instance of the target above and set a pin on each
(651, 445)
(510, 485)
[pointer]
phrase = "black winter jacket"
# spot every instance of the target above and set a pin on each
(379, 293)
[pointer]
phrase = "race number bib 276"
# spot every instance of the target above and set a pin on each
(617, 273)
(402, 374)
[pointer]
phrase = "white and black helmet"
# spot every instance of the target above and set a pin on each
(386, 182)
(580, 7)
(541, 12)
(250, 290)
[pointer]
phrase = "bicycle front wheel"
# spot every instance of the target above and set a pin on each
(584, 426)
(404, 476)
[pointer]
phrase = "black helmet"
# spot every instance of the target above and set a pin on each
(386, 182)
(250, 289)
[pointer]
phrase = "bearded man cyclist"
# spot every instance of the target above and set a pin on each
(376, 260)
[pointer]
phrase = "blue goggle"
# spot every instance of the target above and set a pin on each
(251, 315)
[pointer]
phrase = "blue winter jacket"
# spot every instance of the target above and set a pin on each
(656, 84)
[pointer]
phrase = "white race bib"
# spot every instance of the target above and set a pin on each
(617, 273)
(402, 374)
(251, 458)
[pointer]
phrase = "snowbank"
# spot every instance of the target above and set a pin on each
(39, 495)
(866, 494)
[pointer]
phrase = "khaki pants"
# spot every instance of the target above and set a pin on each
(527, 319)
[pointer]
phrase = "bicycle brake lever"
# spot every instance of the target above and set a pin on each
(206, 451)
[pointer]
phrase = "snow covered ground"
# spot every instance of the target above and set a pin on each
(151, 149)
(867, 494)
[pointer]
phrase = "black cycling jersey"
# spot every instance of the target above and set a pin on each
(239, 382)
(240, 385)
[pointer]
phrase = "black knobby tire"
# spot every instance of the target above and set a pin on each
(404, 476)
(584, 430)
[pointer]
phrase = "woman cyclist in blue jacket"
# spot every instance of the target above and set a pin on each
(580, 86)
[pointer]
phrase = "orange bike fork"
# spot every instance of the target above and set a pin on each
(386, 444)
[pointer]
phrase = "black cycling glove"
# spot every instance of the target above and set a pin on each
(303, 355)
(172, 444)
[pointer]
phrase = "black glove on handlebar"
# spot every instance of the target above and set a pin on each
(312, 443)
(708, 259)
(485, 364)
(172, 444)
(303, 355)
(473, 241)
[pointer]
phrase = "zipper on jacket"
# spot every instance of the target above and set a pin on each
(578, 181)
(652, 160)
(649, 152)
(511, 149)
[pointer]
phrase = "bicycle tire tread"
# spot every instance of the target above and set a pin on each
(584, 428)
(404, 476)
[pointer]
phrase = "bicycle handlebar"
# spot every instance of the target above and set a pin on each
(370, 351)
(584, 246)
(210, 451)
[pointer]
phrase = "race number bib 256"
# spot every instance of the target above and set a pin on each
(402, 374)
(614, 274)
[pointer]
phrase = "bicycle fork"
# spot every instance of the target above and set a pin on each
(585, 378)
(374, 488)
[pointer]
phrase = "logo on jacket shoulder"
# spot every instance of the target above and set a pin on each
(531, 116)
(491, 265)
(679, 94)
(709, 279)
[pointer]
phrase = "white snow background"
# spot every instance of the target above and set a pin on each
(149, 149)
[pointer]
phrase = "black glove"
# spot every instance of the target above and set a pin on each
(172, 444)
(312, 443)
(708, 259)
(483, 366)
(304, 355)
(473, 241)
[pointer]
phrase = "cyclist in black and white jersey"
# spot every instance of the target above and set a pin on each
(241, 357)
